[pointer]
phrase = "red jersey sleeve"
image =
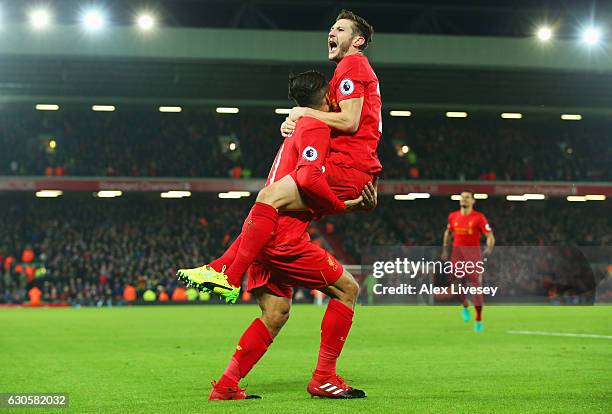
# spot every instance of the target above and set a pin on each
(352, 81)
(313, 143)
(313, 147)
(484, 226)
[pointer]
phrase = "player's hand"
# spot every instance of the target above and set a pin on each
(370, 197)
(296, 113)
(353, 204)
(287, 128)
(487, 251)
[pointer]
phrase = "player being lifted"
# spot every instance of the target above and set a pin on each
(354, 95)
(466, 226)
(291, 259)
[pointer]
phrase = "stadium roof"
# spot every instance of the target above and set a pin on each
(198, 66)
(132, 81)
(508, 18)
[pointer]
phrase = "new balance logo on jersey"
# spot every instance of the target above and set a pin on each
(310, 154)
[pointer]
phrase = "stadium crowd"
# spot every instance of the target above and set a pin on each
(80, 250)
(550, 223)
(206, 144)
(89, 251)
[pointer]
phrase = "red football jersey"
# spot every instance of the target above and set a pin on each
(355, 78)
(309, 144)
(468, 229)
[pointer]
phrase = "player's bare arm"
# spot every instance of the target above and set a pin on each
(490, 244)
(446, 242)
(347, 120)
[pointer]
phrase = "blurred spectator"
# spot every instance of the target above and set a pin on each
(35, 294)
(129, 293)
(179, 295)
(27, 255)
(149, 296)
(192, 294)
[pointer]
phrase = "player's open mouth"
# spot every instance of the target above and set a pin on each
(332, 45)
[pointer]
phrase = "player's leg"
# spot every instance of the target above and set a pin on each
(223, 276)
(260, 225)
(259, 228)
(253, 344)
(284, 195)
(274, 309)
(346, 182)
(225, 260)
(344, 290)
(478, 301)
(463, 300)
(456, 257)
(308, 265)
(211, 277)
(335, 328)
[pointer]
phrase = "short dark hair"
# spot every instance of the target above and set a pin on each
(360, 26)
(469, 191)
(307, 88)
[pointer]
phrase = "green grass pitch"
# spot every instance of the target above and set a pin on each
(408, 359)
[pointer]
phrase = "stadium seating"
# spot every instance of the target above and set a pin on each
(204, 144)
(83, 250)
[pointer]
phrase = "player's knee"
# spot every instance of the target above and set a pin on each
(353, 290)
(277, 318)
(267, 196)
(264, 195)
(349, 290)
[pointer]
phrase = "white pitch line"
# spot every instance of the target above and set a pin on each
(576, 335)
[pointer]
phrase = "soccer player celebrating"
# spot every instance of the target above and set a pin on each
(356, 125)
(291, 259)
(466, 226)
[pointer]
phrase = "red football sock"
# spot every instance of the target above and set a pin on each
(335, 327)
(257, 231)
(228, 256)
(478, 312)
(252, 345)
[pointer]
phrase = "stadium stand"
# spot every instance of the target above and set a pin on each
(82, 250)
(196, 144)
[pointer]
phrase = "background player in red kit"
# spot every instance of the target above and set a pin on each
(352, 163)
(291, 259)
(466, 226)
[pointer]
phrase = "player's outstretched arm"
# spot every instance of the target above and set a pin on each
(347, 120)
(490, 244)
(446, 241)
